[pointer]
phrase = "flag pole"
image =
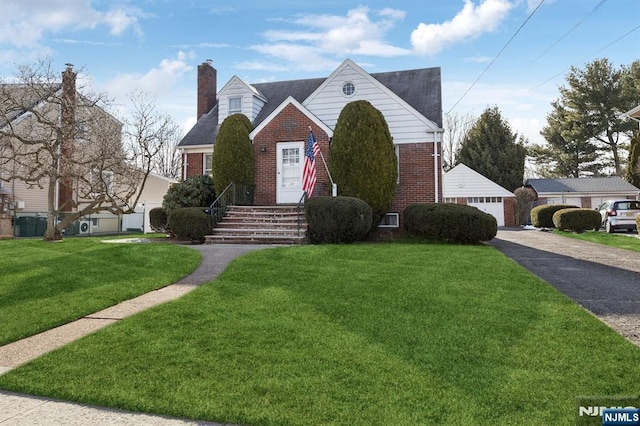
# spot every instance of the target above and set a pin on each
(334, 187)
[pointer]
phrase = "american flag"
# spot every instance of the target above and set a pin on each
(309, 171)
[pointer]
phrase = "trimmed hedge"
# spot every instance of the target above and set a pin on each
(542, 215)
(337, 219)
(158, 219)
(577, 220)
(189, 223)
(447, 222)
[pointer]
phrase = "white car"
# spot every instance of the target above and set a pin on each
(619, 214)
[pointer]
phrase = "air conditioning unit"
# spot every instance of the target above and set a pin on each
(85, 227)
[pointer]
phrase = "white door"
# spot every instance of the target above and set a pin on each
(290, 157)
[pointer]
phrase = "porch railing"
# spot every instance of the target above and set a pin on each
(233, 194)
(300, 209)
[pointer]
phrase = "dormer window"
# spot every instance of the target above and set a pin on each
(348, 89)
(235, 105)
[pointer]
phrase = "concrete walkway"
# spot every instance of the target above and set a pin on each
(16, 409)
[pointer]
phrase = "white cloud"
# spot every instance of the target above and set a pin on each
(330, 35)
(27, 23)
(157, 80)
(469, 23)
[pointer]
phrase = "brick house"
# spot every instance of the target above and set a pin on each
(282, 113)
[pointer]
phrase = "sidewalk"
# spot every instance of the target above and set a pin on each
(16, 409)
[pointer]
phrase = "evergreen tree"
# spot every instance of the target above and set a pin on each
(493, 150)
(594, 99)
(232, 159)
(363, 161)
(564, 155)
(633, 168)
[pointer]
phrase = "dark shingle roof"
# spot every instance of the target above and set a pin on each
(420, 88)
(584, 185)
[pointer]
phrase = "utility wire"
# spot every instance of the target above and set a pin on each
(569, 32)
(496, 57)
(588, 57)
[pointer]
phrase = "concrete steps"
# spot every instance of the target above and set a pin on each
(260, 225)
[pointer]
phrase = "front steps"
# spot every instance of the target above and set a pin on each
(260, 225)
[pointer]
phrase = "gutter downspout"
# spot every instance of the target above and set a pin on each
(436, 154)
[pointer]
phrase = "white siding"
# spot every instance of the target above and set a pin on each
(464, 182)
(405, 124)
(236, 88)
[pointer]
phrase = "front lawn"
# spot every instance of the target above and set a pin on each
(620, 240)
(47, 284)
(399, 334)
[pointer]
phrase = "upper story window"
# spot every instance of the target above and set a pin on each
(235, 105)
(348, 88)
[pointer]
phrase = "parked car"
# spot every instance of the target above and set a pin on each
(619, 214)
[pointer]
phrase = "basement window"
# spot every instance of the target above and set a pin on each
(390, 220)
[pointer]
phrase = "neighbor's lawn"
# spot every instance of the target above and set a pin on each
(620, 240)
(398, 334)
(44, 284)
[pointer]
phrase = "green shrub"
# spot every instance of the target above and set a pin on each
(232, 159)
(158, 219)
(449, 223)
(638, 223)
(542, 215)
(196, 191)
(363, 161)
(337, 219)
(577, 220)
(189, 223)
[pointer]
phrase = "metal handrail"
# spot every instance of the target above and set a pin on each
(219, 207)
(299, 208)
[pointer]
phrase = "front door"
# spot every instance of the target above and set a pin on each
(290, 157)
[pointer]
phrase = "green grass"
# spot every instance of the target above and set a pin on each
(620, 240)
(46, 284)
(399, 334)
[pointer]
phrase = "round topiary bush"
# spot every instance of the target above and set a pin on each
(158, 219)
(196, 191)
(542, 215)
(446, 222)
(189, 223)
(337, 219)
(577, 220)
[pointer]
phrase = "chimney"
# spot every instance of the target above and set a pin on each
(67, 121)
(207, 87)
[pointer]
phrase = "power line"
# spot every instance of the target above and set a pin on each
(570, 31)
(497, 55)
(588, 57)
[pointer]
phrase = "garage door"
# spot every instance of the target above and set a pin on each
(494, 209)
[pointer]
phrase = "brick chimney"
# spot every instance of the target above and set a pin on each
(67, 121)
(207, 87)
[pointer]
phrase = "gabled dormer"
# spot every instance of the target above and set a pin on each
(239, 97)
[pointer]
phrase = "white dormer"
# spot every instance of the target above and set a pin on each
(239, 97)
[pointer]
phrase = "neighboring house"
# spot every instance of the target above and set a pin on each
(94, 141)
(152, 195)
(463, 185)
(582, 192)
(283, 112)
(633, 114)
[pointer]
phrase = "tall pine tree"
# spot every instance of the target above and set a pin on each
(493, 150)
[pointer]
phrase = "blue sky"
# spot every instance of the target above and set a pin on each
(509, 53)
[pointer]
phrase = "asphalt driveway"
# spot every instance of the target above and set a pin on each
(603, 280)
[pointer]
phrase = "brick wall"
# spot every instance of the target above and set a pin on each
(291, 125)
(195, 162)
(416, 177)
(509, 211)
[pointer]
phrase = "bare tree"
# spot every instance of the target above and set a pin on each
(55, 138)
(152, 135)
(455, 129)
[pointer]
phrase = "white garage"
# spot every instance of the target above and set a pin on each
(463, 185)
